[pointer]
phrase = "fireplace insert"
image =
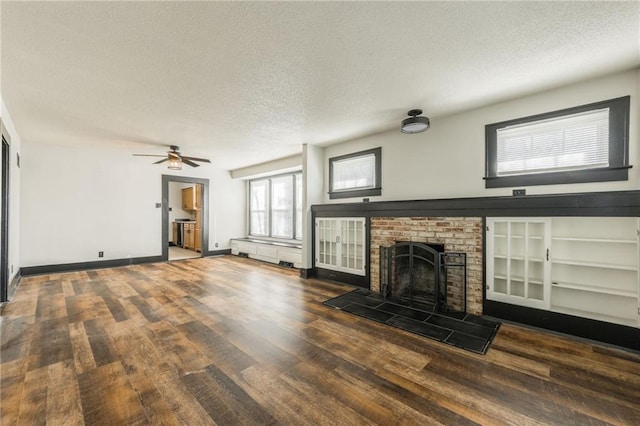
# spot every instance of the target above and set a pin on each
(412, 273)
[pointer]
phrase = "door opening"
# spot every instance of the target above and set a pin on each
(184, 217)
(4, 226)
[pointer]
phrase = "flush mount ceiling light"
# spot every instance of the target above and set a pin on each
(414, 124)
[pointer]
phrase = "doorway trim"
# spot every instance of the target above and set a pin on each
(165, 211)
(4, 225)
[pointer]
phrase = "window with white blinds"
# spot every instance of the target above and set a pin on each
(356, 174)
(581, 144)
(572, 142)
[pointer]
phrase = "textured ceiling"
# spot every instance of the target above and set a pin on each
(246, 82)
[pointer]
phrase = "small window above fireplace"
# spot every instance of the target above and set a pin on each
(356, 175)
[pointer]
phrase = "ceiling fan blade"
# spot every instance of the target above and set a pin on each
(149, 155)
(204, 160)
(189, 163)
(161, 161)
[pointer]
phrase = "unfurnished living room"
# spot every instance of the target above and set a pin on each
(320, 213)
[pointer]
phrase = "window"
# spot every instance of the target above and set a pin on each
(588, 143)
(275, 207)
(259, 220)
(355, 175)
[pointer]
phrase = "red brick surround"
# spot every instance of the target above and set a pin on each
(458, 234)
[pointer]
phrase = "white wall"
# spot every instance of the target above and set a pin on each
(313, 190)
(14, 193)
(448, 160)
(76, 202)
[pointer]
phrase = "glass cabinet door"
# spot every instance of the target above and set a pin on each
(517, 261)
(341, 245)
(327, 238)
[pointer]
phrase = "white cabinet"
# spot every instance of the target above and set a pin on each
(340, 244)
(517, 261)
(267, 251)
(594, 268)
(582, 266)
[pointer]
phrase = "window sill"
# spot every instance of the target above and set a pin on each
(269, 242)
(578, 176)
(371, 192)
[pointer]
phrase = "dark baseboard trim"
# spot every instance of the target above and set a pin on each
(357, 280)
(216, 252)
(307, 273)
(619, 335)
(614, 203)
(68, 267)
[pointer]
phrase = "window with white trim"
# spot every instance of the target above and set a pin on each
(275, 207)
(356, 174)
(582, 144)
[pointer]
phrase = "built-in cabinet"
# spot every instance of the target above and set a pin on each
(187, 233)
(189, 198)
(189, 241)
(340, 244)
(581, 266)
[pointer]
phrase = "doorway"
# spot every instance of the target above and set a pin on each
(185, 217)
(4, 226)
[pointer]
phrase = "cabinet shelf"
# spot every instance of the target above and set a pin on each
(520, 258)
(519, 237)
(595, 240)
(594, 289)
(519, 279)
(594, 264)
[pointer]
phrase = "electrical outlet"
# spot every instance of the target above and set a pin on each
(158, 205)
(100, 254)
(519, 192)
(216, 244)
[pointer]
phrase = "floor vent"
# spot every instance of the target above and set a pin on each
(285, 264)
(242, 254)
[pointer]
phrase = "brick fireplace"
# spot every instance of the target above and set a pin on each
(458, 234)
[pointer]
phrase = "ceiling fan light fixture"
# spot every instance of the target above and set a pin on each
(415, 124)
(174, 164)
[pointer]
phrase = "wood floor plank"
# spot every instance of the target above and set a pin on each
(101, 346)
(227, 340)
(50, 343)
(63, 396)
(11, 388)
(82, 353)
(108, 398)
(33, 404)
(157, 411)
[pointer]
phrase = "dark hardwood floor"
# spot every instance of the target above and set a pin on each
(229, 341)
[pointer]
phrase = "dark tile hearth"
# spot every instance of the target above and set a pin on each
(466, 331)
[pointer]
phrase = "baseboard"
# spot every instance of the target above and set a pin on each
(80, 266)
(216, 252)
(307, 273)
(615, 334)
(343, 277)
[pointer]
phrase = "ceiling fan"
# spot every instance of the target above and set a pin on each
(176, 159)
